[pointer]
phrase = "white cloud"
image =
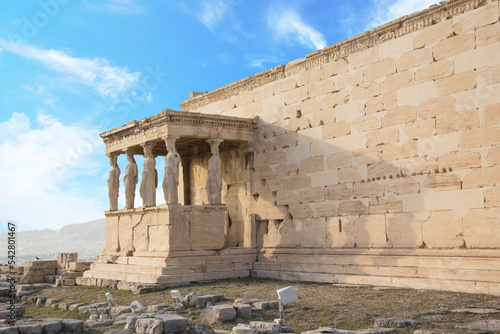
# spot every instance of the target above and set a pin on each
(213, 12)
(125, 7)
(97, 73)
(287, 24)
(45, 172)
(389, 10)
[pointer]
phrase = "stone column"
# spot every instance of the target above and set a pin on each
(130, 179)
(214, 178)
(113, 181)
(149, 180)
(186, 179)
(171, 176)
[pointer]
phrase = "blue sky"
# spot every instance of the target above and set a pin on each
(70, 70)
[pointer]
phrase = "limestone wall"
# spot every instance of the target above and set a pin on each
(388, 143)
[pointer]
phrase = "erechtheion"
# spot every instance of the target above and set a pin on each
(373, 161)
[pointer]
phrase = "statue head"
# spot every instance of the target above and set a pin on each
(130, 155)
(113, 159)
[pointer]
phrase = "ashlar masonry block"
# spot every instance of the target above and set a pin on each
(325, 209)
(454, 45)
(443, 229)
(339, 160)
(311, 195)
(478, 58)
(396, 47)
(491, 115)
(337, 192)
(458, 122)
(382, 136)
(397, 81)
(480, 137)
(403, 230)
(370, 231)
(297, 95)
(400, 151)
(415, 95)
(472, 20)
(482, 228)
(336, 129)
(380, 69)
(492, 197)
(339, 232)
(436, 70)
(400, 115)
(440, 106)
(420, 128)
(313, 232)
(459, 160)
(456, 83)
(368, 189)
(433, 34)
(365, 57)
(494, 156)
(353, 207)
(440, 182)
(368, 122)
(334, 68)
(488, 34)
(400, 186)
(413, 59)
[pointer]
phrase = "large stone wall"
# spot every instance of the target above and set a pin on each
(376, 159)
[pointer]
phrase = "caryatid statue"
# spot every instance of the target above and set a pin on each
(214, 177)
(171, 176)
(149, 180)
(113, 182)
(130, 179)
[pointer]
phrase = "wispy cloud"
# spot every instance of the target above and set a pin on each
(124, 7)
(288, 25)
(45, 178)
(107, 80)
(213, 12)
(389, 10)
(258, 62)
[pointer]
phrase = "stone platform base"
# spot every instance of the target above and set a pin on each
(176, 269)
(471, 271)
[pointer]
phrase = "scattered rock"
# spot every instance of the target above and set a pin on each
(8, 330)
(6, 309)
(30, 329)
(395, 322)
(218, 313)
(265, 327)
(131, 319)
(261, 305)
(243, 310)
(148, 326)
(138, 307)
(244, 329)
(97, 324)
(64, 306)
(116, 331)
(173, 323)
(140, 289)
(50, 301)
(195, 328)
(475, 310)
(120, 310)
(51, 326)
(158, 307)
(74, 307)
(484, 325)
(72, 325)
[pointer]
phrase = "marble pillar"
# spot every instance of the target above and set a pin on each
(214, 178)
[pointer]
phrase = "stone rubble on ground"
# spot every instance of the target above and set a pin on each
(395, 322)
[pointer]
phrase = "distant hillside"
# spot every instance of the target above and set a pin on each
(87, 239)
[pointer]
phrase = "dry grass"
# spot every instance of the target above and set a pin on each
(320, 305)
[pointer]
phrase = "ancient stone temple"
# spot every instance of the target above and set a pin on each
(373, 161)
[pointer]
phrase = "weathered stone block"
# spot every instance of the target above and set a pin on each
(457, 122)
(472, 20)
(287, 197)
(382, 170)
(382, 136)
(349, 174)
(421, 128)
(311, 195)
(416, 94)
(482, 228)
(311, 165)
(459, 160)
(336, 129)
(402, 186)
(298, 182)
(244, 311)
(440, 182)
(413, 59)
(365, 57)
(380, 69)
(79, 266)
(308, 76)
(456, 83)
(494, 155)
(297, 95)
(369, 231)
(337, 192)
(492, 198)
(443, 229)
(487, 34)
(399, 116)
(397, 81)
(368, 189)
(454, 45)
(339, 160)
(325, 209)
(218, 313)
(436, 70)
(368, 122)
(365, 90)
(301, 210)
(173, 323)
(339, 232)
(480, 57)
(433, 34)
(480, 137)
(403, 230)
(336, 98)
(491, 115)
(352, 207)
(148, 326)
(436, 107)
(400, 151)
(313, 232)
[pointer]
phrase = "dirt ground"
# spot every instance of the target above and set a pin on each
(319, 305)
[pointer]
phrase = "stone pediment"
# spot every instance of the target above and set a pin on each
(191, 130)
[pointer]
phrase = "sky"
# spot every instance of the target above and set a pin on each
(70, 70)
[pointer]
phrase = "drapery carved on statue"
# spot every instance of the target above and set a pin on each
(214, 178)
(149, 180)
(171, 176)
(130, 180)
(113, 182)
